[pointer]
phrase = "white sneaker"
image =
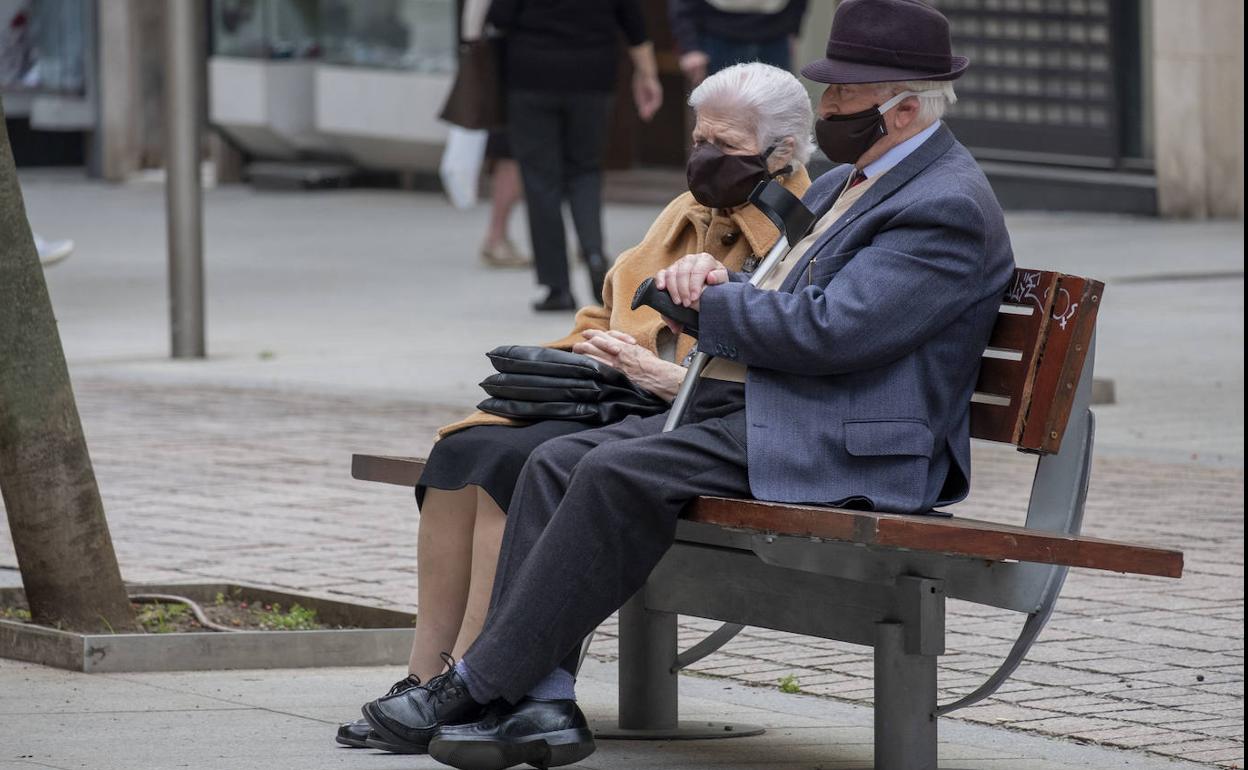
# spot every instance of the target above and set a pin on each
(51, 252)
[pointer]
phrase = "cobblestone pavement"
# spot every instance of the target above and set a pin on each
(253, 485)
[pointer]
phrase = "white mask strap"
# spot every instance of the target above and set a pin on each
(891, 103)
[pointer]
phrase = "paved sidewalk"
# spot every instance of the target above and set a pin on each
(355, 321)
(251, 485)
(284, 720)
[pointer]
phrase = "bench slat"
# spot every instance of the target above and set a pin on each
(961, 537)
(1072, 319)
(954, 536)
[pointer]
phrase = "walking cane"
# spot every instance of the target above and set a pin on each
(793, 219)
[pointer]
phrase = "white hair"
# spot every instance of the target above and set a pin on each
(935, 96)
(774, 102)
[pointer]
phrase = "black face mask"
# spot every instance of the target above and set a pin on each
(722, 181)
(845, 138)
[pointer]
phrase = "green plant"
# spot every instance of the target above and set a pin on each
(15, 613)
(296, 619)
(788, 684)
(158, 618)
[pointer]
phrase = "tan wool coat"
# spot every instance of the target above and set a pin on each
(684, 227)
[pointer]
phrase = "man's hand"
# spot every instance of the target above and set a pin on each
(644, 368)
(694, 65)
(689, 276)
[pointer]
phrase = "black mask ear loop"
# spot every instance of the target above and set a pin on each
(782, 171)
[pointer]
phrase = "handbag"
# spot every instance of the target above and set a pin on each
(476, 97)
(536, 383)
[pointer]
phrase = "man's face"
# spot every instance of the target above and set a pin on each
(848, 99)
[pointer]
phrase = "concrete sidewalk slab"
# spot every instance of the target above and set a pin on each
(284, 720)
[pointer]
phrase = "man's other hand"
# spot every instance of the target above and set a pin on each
(689, 276)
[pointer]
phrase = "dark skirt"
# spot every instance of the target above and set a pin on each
(488, 456)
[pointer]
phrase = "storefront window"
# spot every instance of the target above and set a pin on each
(42, 45)
(415, 35)
(266, 29)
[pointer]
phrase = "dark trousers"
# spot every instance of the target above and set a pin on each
(591, 516)
(722, 52)
(558, 140)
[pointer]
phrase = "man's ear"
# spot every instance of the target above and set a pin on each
(905, 113)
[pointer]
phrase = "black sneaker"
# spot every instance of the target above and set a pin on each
(542, 733)
(355, 734)
(405, 722)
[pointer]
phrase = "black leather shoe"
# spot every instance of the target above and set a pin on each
(405, 722)
(356, 734)
(598, 267)
(542, 733)
(557, 300)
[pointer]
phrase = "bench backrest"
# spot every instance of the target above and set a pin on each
(1031, 369)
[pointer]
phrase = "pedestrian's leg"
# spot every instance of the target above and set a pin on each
(443, 564)
(487, 537)
(614, 522)
(505, 192)
(536, 131)
(587, 123)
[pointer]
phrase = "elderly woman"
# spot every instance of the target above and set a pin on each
(753, 122)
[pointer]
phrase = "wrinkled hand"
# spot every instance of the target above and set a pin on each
(646, 370)
(689, 276)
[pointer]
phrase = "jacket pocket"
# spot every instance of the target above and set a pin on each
(885, 438)
(820, 269)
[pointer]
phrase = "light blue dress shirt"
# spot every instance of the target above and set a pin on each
(897, 154)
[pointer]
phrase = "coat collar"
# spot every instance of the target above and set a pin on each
(937, 145)
(758, 230)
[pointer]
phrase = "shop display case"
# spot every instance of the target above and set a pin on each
(46, 62)
(262, 75)
(386, 68)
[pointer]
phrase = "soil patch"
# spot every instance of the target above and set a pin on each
(228, 610)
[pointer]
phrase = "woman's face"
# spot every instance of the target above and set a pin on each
(728, 133)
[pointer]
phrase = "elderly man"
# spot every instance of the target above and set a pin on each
(858, 356)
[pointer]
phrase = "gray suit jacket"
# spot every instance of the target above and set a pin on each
(862, 366)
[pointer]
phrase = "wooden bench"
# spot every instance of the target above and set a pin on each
(880, 579)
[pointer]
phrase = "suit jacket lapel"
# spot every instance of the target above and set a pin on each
(889, 183)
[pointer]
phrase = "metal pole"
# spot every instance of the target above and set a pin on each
(184, 206)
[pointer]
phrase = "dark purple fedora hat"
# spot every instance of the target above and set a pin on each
(879, 41)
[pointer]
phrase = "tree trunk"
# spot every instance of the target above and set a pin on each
(55, 514)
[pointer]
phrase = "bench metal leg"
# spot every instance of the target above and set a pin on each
(648, 692)
(905, 703)
(648, 682)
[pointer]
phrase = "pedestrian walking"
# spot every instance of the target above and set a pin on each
(560, 60)
(497, 250)
(713, 34)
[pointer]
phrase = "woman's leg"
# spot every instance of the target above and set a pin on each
(487, 536)
(444, 565)
(505, 193)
